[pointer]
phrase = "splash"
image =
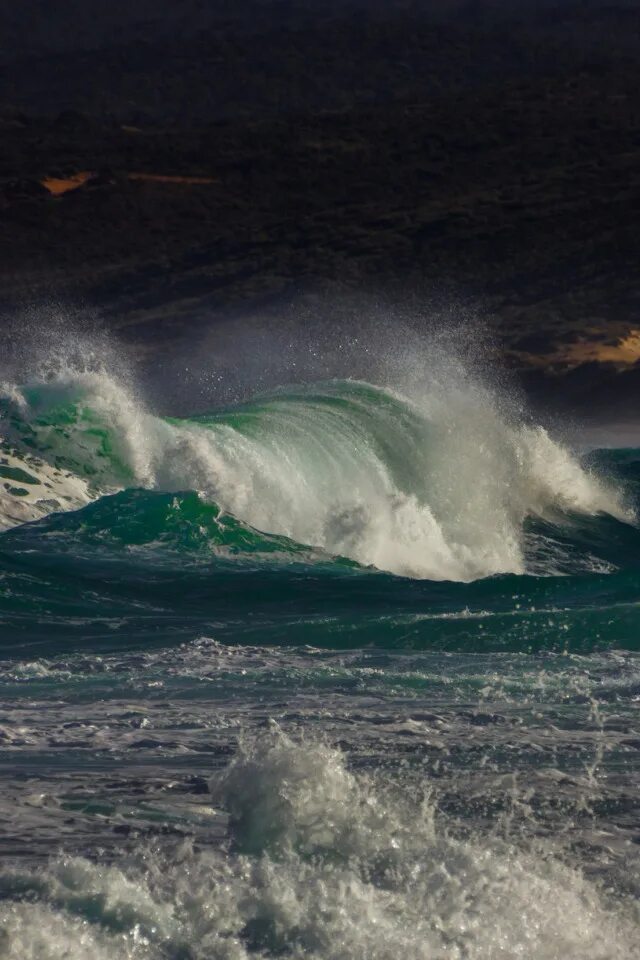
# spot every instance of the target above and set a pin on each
(321, 863)
(437, 483)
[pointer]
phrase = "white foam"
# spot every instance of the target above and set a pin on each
(46, 489)
(322, 865)
(36, 932)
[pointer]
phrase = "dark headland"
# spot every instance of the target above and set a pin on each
(169, 166)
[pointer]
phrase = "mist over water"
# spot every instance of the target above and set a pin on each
(341, 669)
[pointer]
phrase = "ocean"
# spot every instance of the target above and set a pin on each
(344, 670)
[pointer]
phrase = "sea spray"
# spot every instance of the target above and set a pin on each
(321, 863)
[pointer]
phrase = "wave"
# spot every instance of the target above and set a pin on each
(320, 862)
(442, 485)
(157, 528)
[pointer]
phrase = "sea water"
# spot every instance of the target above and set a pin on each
(347, 670)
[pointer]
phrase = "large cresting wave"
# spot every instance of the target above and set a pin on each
(438, 482)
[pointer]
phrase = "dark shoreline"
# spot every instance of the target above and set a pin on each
(465, 160)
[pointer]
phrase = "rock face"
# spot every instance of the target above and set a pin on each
(471, 153)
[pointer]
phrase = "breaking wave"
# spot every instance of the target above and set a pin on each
(322, 863)
(441, 484)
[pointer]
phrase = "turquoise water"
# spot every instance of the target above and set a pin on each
(338, 672)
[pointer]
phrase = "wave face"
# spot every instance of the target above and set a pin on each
(440, 487)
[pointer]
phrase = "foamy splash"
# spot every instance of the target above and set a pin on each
(321, 864)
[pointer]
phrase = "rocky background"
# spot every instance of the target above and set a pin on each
(167, 166)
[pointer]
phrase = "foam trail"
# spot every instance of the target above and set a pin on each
(438, 485)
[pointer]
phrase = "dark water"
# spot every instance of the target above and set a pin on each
(337, 673)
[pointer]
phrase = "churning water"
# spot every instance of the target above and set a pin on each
(345, 671)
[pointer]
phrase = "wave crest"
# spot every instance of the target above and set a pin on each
(439, 486)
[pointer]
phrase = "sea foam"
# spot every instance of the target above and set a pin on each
(320, 863)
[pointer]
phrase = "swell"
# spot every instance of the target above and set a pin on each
(141, 568)
(441, 486)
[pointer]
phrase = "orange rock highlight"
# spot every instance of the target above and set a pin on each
(624, 353)
(59, 185)
(169, 178)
